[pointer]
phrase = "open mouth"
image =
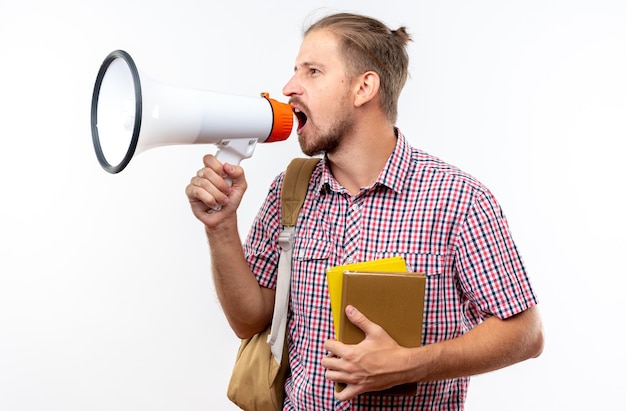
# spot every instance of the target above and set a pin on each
(301, 116)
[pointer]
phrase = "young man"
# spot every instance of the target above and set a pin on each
(373, 196)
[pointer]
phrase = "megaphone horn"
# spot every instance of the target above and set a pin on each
(131, 113)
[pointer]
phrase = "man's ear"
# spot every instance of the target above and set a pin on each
(366, 88)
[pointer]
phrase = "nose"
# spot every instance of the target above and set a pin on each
(292, 87)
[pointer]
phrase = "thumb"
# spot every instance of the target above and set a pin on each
(360, 320)
(232, 171)
(235, 176)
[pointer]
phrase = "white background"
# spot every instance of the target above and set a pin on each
(106, 298)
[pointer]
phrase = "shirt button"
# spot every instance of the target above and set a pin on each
(355, 207)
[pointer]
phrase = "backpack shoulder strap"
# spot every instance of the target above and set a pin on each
(294, 189)
(292, 196)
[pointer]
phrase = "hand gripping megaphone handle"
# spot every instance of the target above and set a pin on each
(233, 152)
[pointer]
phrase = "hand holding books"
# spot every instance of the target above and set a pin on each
(387, 295)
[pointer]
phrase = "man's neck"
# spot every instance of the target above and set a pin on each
(360, 158)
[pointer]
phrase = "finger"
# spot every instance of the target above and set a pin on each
(217, 178)
(334, 348)
(348, 392)
(211, 161)
(343, 379)
(201, 189)
(236, 176)
(331, 361)
(360, 320)
(333, 373)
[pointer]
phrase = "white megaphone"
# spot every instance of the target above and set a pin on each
(131, 113)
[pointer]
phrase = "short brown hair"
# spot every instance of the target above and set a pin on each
(369, 45)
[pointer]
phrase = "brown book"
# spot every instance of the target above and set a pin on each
(395, 301)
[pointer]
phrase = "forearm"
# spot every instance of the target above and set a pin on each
(492, 345)
(248, 307)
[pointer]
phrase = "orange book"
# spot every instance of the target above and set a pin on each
(393, 300)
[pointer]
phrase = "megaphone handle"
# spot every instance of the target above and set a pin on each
(233, 152)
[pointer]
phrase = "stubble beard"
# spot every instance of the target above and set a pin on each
(327, 141)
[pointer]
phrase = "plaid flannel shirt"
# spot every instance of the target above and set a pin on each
(443, 222)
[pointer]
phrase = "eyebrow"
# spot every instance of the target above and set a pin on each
(308, 64)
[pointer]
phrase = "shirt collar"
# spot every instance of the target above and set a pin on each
(392, 175)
